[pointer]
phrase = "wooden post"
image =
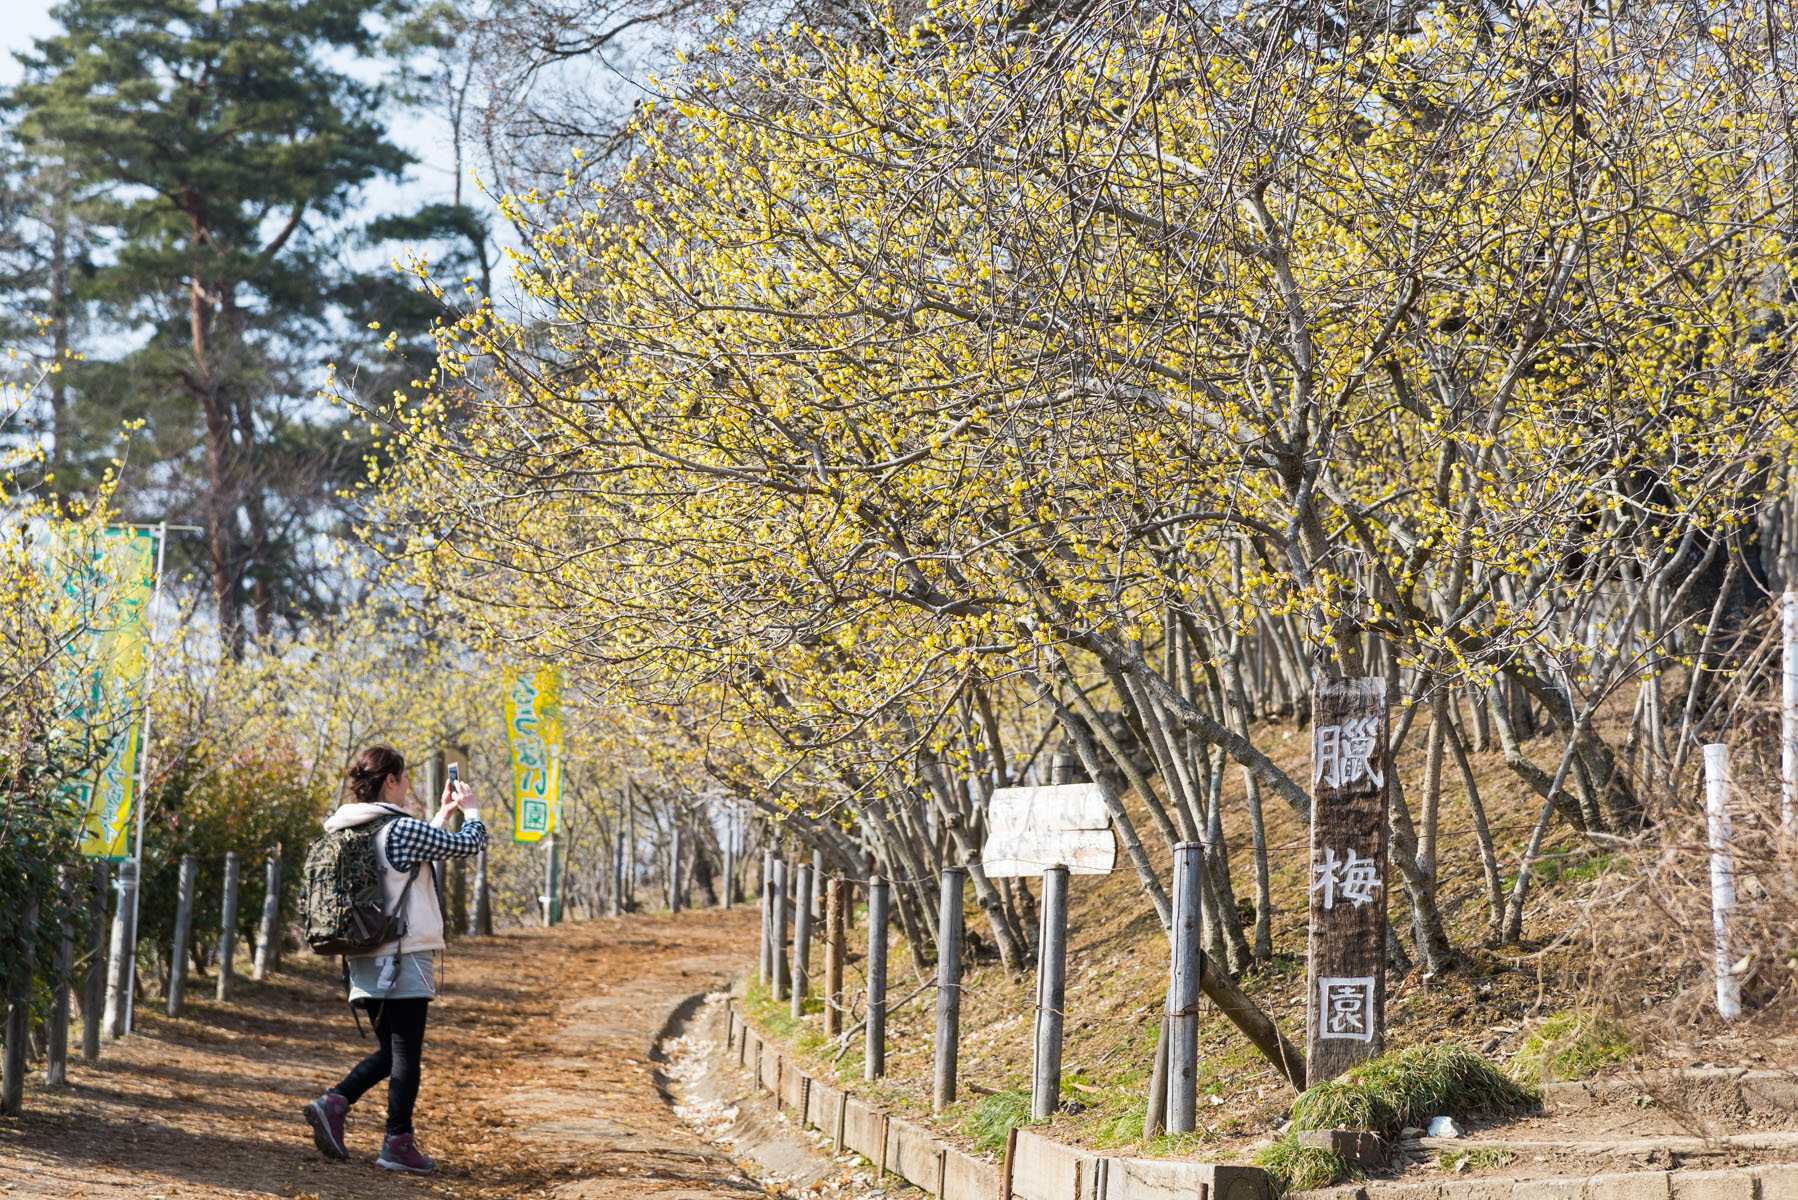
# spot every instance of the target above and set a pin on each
(94, 987)
(550, 871)
(1788, 715)
(674, 852)
(118, 963)
(228, 928)
(727, 894)
(779, 930)
(817, 874)
(1723, 877)
(184, 924)
(874, 1057)
(948, 987)
(802, 936)
(765, 968)
(1051, 995)
(480, 911)
(56, 1055)
(618, 873)
(835, 946)
(1183, 989)
(1351, 762)
(18, 1013)
(630, 847)
(269, 931)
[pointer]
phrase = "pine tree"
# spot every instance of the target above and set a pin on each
(234, 141)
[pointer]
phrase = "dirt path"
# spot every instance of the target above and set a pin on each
(537, 1081)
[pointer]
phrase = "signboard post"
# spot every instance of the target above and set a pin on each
(1351, 761)
(1053, 831)
(1030, 829)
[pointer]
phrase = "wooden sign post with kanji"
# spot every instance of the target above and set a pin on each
(1351, 762)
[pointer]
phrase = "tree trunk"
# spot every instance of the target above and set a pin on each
(62, 440)
(221, 467)
(1433, 947)
(1495, 888)
(1217, 875)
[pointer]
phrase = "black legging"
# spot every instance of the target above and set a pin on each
(400, 1026)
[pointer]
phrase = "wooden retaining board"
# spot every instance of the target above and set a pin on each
(792, 1091)
(967, 1178)
(1042, 1169)
(1045, 1170)
(913, 1154)
(1104, 1178)
(864, 1129)
(770, 1068)
(821, 1113)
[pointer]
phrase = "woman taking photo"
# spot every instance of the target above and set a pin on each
(397, 981)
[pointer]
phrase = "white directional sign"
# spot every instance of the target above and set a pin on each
(1031, 829)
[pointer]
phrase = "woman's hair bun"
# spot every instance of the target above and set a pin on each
(369, 770)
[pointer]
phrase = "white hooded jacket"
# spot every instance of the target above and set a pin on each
(424, 913)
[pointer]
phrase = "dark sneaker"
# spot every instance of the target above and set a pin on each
(326, 1115)
(400, 1153)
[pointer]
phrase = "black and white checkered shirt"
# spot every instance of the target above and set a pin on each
(410, 841)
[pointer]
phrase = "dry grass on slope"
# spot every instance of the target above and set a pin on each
(1612, 927)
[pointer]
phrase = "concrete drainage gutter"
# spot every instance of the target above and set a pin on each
(1035, 1167)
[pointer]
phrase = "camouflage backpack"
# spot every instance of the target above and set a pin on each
(341, 901)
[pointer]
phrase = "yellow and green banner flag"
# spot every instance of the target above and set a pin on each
(534, 729)
(109, 584)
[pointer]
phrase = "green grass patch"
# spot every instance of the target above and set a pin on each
(1383, 1095)
(1408, 1087)
(1570, 866)
(995, 1116)
(1121, 1130)
(1469, 1160)
(776, 1019)
(1571, 1045)
(1164, 1144)
(1291, 1167)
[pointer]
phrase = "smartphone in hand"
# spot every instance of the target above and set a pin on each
(450, 786)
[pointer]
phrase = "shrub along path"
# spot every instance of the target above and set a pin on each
(537, 1081)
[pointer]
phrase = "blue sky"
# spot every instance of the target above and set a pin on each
(25, 20)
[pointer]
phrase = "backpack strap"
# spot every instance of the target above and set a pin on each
(411, 878)
(399, 943)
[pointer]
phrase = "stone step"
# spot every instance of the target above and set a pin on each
(1777, 1182)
